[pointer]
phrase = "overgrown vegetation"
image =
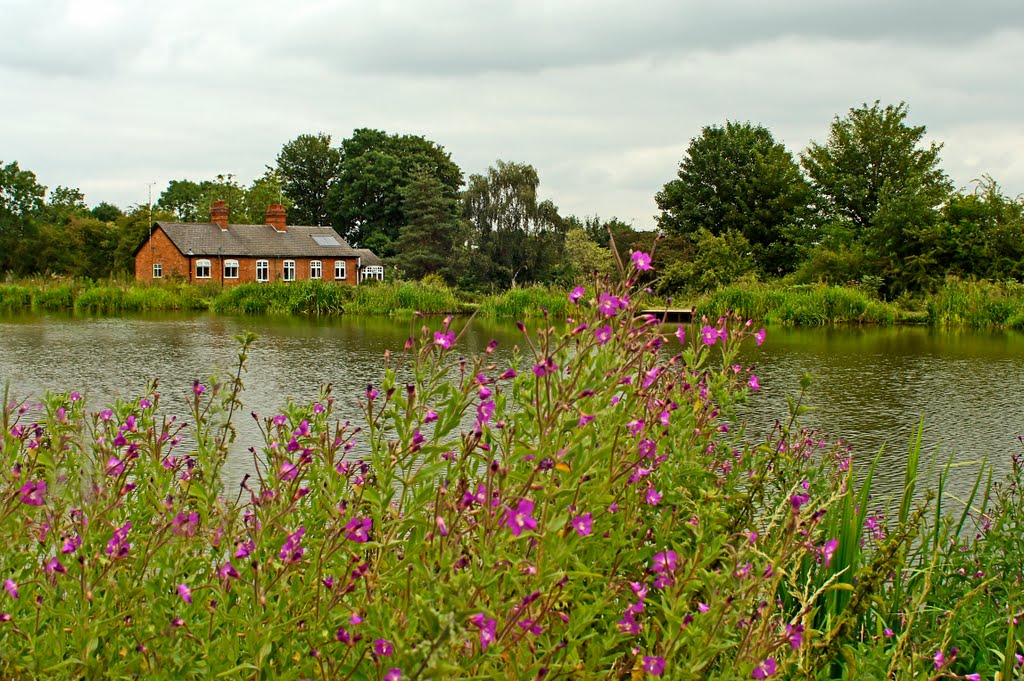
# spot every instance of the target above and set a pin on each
(594, 510)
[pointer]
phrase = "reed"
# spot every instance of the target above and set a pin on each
(978, 304)
(803, 305)
(531, 301)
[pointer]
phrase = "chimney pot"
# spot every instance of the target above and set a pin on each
(219, 215)
(277, 217)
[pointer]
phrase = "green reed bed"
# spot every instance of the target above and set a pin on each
(530, 301)
(804, 305)
(15, 297)
(978, 304)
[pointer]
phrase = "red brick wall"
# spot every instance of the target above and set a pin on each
(159, 249)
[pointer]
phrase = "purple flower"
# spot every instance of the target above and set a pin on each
(754, 385)
(487, 627)
(393, 674)
(358, 530)
(227, 570)
(795, 634)
(666, 561)
(244, 549)
(628, 625)
(798, 500)
(642, 261)
(584, 420)
(765, 669)
(603, 334)
(185, 593)
(430, 417)
(12, 587)
(382, 646)
(759, 336)
(53, 565)
(583, 524)
(118, 545)
(546, 367)
(484, 413)
(445, 340)
(71, 544)
(709, 335)
(32, 493)
(828, 549)
(888, 633)
(576, 294)
(940, 659)
(520, 519)
(184, 525)
(198, 388)
(655, 666)
(681, 335)
(653, 497)
(608, 305)
(291, 550)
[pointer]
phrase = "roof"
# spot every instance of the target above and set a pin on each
(368, 257)
(298, 241)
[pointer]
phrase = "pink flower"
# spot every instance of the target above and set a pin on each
(393, 674)
(709, 335)
(12, 587)
(667, 561)
(603, 334)
(576, 294)
(653, 497)
(583, 524)
(445, 340)
(765, 669)
(382, 646)
(642, 261)
(185, 593)
(227, 570)
(53, 565)
(358, 530)
(828, 549)
(32, 493)
(430, 417)
(655, 666)
(520, 519)
(795, 634)
(754, 385)
(291, 550)
(759, 336)
(487, 627)
(939, 659)
(681, 335)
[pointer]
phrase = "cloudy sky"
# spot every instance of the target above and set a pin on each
(601, 96)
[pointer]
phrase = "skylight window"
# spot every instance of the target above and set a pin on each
(326, 240)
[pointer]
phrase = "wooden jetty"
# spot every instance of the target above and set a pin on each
(677, 315)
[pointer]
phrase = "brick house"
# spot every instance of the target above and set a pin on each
(216, 251)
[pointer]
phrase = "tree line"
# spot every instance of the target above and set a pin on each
(871, 205)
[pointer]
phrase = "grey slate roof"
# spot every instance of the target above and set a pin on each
(255, 241)
(368, 257)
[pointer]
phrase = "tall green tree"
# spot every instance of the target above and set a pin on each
(521, 236)
(737, 178)
(434, 235)
(184, 199)
(366, 202)
(308, 167)
(21, 199)
(877, 180)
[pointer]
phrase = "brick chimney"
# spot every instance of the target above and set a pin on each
(219, 215)
(277, 217)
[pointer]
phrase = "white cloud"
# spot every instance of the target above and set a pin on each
(601, 96)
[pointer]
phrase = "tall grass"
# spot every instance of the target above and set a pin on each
(978, 304)
(520, 303)
(805, 305)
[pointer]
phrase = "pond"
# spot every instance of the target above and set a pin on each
(871, 385)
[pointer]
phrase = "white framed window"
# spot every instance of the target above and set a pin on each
(340, 271)
(289, 270)
(373, 272)
(262, 270)
(316, 269)
(231, 269)
(158, 270)
(202, 269)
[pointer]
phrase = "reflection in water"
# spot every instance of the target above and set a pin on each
(871, 385)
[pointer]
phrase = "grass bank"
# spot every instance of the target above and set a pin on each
(971, 304)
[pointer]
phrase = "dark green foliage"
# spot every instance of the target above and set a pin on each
(434, 233)
(308, 166)
(366, 202)
(715, 260)
(520, 236)
(737, 178)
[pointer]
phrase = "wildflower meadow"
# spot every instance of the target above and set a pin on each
(593, 510)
